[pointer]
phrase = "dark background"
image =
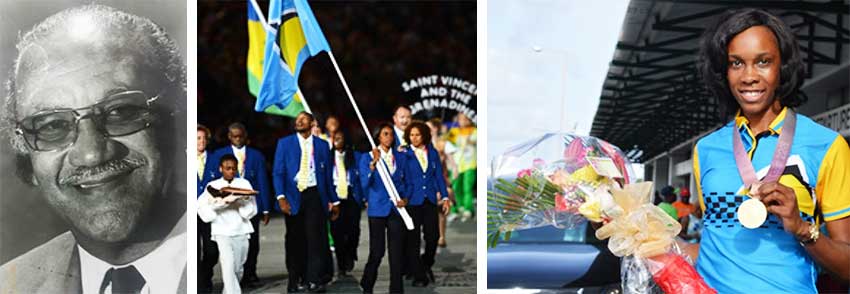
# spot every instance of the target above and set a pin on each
(378, 45)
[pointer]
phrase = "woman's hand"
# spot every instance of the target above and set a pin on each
(376, 154)
(781, 201)
(401, 203)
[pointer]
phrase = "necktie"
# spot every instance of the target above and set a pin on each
(123, 280)
(201, 163)
(302, 172)
(423, 161)
(342, 181)
(241, 157)
(388, 158)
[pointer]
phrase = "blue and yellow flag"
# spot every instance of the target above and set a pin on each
(256, 44)
(294, 36)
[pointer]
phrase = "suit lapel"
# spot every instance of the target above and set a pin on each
(66, 276)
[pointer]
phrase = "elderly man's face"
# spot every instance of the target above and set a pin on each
(103, 185)
(401, 118)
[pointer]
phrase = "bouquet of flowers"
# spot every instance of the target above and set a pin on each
(557, 179)
(564, 180)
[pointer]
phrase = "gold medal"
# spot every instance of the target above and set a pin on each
(752, 213)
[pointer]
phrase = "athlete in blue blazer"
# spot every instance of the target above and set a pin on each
(385, 223)
(207, 249)
(346, 185)
(304, 197)
(425, 204)
(208, 174)
(254, 170)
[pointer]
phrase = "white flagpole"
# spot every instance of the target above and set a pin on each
(383, 171)
(303, 101)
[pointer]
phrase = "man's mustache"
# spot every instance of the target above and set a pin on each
(101, 172)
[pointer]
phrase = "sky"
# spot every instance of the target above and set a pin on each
(547, 61)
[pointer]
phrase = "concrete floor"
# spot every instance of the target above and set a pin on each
(454, 270)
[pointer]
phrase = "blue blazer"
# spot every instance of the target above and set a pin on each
(287, 161)
(353, 172)
(255, 172)
(425, 185)
(373, 188)
(210, 169)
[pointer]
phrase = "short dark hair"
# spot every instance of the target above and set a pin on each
(227, 157)
(310, 115)
(712, 60)
(668, 191)
(239, 126)
(400, 106)
(376, 133)
(424, 130)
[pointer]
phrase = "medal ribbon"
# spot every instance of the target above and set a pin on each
(780, 154)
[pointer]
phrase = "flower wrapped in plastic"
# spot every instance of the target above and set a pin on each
(564, 180)
(556, 179)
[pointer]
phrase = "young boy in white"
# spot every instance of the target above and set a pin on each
(231, 226)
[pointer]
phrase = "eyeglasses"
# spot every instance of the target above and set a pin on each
(119, 114)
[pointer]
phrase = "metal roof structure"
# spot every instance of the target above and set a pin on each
(652, 98)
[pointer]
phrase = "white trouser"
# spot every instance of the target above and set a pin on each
(233, 251)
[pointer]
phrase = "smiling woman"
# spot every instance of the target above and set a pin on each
(782, 163)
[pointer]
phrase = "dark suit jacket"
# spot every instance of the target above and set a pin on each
(373, 188)
(425, 185)
(287, 160)
(397, 141)
(255, 173)
(210, 169)
(53, 267)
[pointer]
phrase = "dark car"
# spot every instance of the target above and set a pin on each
(553, 259)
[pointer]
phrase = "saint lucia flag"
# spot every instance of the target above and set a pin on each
(256, 44)
(294, 36)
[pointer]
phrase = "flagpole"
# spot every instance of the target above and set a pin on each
(260, 15)
(303, 100)
(383, 171)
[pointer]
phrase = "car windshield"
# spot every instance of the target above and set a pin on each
(580, 233)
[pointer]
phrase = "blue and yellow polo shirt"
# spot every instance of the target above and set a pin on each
(734, 259)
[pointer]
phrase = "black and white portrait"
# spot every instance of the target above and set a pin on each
(93, 196)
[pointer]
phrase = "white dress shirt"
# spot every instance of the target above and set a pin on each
(202, 160)
(391, 164)
(227, 219)
(423, 151)
(240, 154)
(161, 268)
(339, 158)
(307, 144)
(400, 134)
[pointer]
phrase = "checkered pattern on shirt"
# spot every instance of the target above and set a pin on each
(721, 210)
